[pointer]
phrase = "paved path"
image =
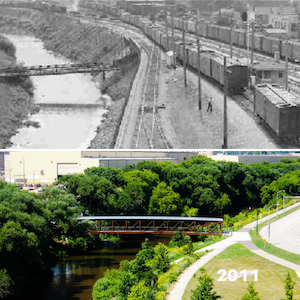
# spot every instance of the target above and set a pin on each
(285, 233)
(243, 237)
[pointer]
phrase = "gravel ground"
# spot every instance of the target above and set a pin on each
(189, 128)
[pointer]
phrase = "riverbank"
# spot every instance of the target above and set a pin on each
(81, 43)
(15, 96)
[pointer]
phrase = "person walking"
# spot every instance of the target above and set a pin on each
(209, 105)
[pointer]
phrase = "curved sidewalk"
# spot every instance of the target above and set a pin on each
(243, 237)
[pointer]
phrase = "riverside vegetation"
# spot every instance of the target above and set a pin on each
(15, 95)
(82, 43)
(42, 228)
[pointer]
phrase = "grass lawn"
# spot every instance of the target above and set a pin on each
(270, 283)
(258, 241)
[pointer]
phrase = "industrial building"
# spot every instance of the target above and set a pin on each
(44, 167)
(250, 159)
(269, 72)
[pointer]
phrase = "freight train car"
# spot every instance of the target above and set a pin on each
(279, 109)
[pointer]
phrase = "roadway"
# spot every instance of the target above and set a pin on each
(285, 233)
(243, 237)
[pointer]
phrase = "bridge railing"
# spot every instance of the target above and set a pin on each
(156, 227)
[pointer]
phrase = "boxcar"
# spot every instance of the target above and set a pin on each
(191, 26)
(279, 109)
(241, 37)
(237, 74)
(286, 50)
(296, 51)
(267, 45)
(205, 62)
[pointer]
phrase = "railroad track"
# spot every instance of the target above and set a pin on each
(148, 132)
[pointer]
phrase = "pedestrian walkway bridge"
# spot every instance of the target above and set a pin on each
(56, 69)
(155, 225)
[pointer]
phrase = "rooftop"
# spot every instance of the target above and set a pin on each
(268, 66)
(279, 96)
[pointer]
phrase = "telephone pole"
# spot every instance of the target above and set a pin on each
(173, 38)
(167, 33)
(252, 42)
(231, 28)
(198, 61)
(225, 146)
(184, 52)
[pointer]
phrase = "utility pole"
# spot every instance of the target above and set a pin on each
(23, 170)
(231, 28)
(225, 105)
(252, 42)
(198, 61)
(167, 33)
(286, 72)
(184, 52)
(173, 38)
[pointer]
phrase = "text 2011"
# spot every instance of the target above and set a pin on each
(233, 275)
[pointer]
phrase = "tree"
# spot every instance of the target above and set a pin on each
(164, 200)
(5, 283)
(252, 294)
(179, 239)
(244, 16)
(161, 261)
(204, 289)
(141, 291)
(289, 286)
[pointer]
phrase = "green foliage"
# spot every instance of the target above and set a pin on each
(179, 239)
(5, 283)
(289, 286)
(204, 289)
(161, 261)
(164, 200)
(141, 291)
(107, 287)
(252, 294)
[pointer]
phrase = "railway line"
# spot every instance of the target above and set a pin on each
(240, 53)
(148, 131)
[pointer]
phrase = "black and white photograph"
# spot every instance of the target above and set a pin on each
(141, 74)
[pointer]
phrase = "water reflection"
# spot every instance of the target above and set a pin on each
(60, 127)
(74, 277)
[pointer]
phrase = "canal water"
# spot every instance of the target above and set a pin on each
(73, 278)
(71, 106)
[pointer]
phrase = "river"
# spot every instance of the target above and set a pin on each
(66, 122)
(73, 278)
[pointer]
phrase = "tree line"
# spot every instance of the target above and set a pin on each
(37, 229)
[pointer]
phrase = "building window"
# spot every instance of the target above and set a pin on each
(280, 75)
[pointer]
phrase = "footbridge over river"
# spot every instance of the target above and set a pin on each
(155, 225)
(57, 69)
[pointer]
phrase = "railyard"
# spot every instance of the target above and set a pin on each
(154, 119)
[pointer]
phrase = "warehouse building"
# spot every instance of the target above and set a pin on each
(44, 167)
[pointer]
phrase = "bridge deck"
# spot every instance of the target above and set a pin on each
(56, 70)
(155, 225)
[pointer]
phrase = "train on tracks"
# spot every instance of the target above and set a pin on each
(211, 64)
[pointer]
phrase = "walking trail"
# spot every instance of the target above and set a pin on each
(243, 237)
